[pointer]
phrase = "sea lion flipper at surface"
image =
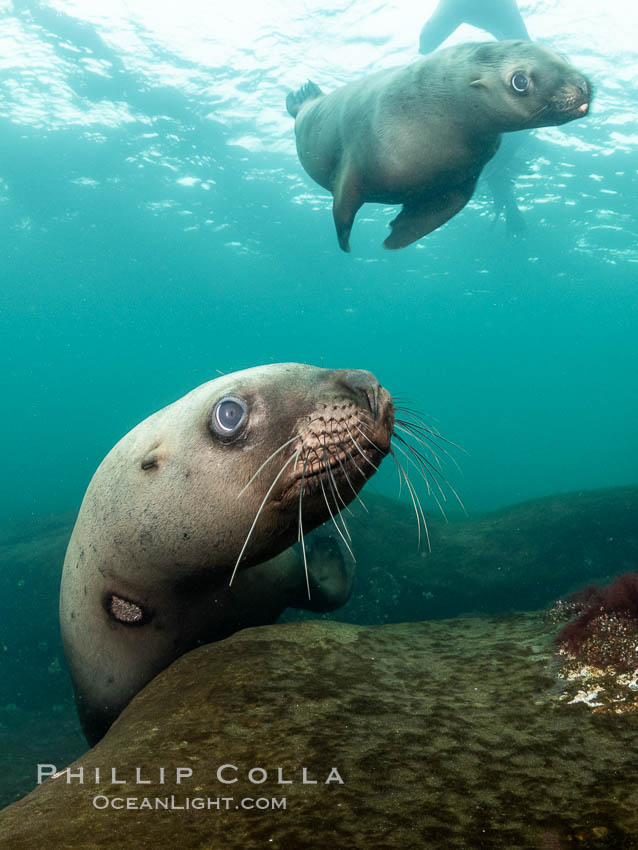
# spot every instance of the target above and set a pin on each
(501, 18)
(418, 218)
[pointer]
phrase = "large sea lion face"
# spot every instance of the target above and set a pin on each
(228, 468)
(526, 85)
(224, 478)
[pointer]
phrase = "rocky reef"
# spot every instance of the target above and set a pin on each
(599, 647)
(439, 735)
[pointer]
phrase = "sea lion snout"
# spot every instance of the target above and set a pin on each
(364, 384)
(572, 100)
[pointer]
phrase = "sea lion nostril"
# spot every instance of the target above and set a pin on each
(364, 383)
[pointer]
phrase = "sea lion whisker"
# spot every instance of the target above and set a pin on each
(332, 482)
(430, 434)
(294, 458)
(366, 418)
(300, 527)
(415, 502)
(361, 426)
(403, 477)
(269, 458)
(411, 487)
(428, 483)
(359, 449)
(334, 492)
(434, 472)
(429, 467)
(347, 477)
(355, 464)
(428, 442)
(422, 472)
(425, 422)
(347, 545)
(432, 469)
(338, 513)
(372, 443)
(407, 418)
(409, 409)
(539, 112)
(429, 446)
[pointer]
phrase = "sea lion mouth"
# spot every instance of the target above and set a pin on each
(348, 443)
(573, 101)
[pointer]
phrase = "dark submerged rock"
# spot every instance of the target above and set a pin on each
(447, 734)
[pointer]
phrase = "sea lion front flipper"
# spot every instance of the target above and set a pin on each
(347, 202)
(330, 574)
(423, 215)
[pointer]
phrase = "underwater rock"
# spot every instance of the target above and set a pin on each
(606, 632)
(435, 735)
(599, 648)
(518, 558)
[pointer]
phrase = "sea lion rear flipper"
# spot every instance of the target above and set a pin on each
(347, 202)
(295, 99)
(424, 215)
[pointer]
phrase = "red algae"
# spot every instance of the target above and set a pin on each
(605, 633)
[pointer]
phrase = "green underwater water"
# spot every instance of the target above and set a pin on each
(145, 251)
(124, 287)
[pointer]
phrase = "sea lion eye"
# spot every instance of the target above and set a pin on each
(229, 415)
(520, 82)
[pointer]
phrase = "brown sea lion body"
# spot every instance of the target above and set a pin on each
(420, 135)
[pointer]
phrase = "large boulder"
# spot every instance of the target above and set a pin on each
(447, 734)
(522, 557)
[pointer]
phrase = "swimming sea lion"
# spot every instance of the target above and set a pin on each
(420, 135)
(230, 475)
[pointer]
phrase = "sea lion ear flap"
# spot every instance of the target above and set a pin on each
(480, 83)
(151, 458)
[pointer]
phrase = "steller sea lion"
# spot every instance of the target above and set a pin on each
(420, 135)
(229, 475)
